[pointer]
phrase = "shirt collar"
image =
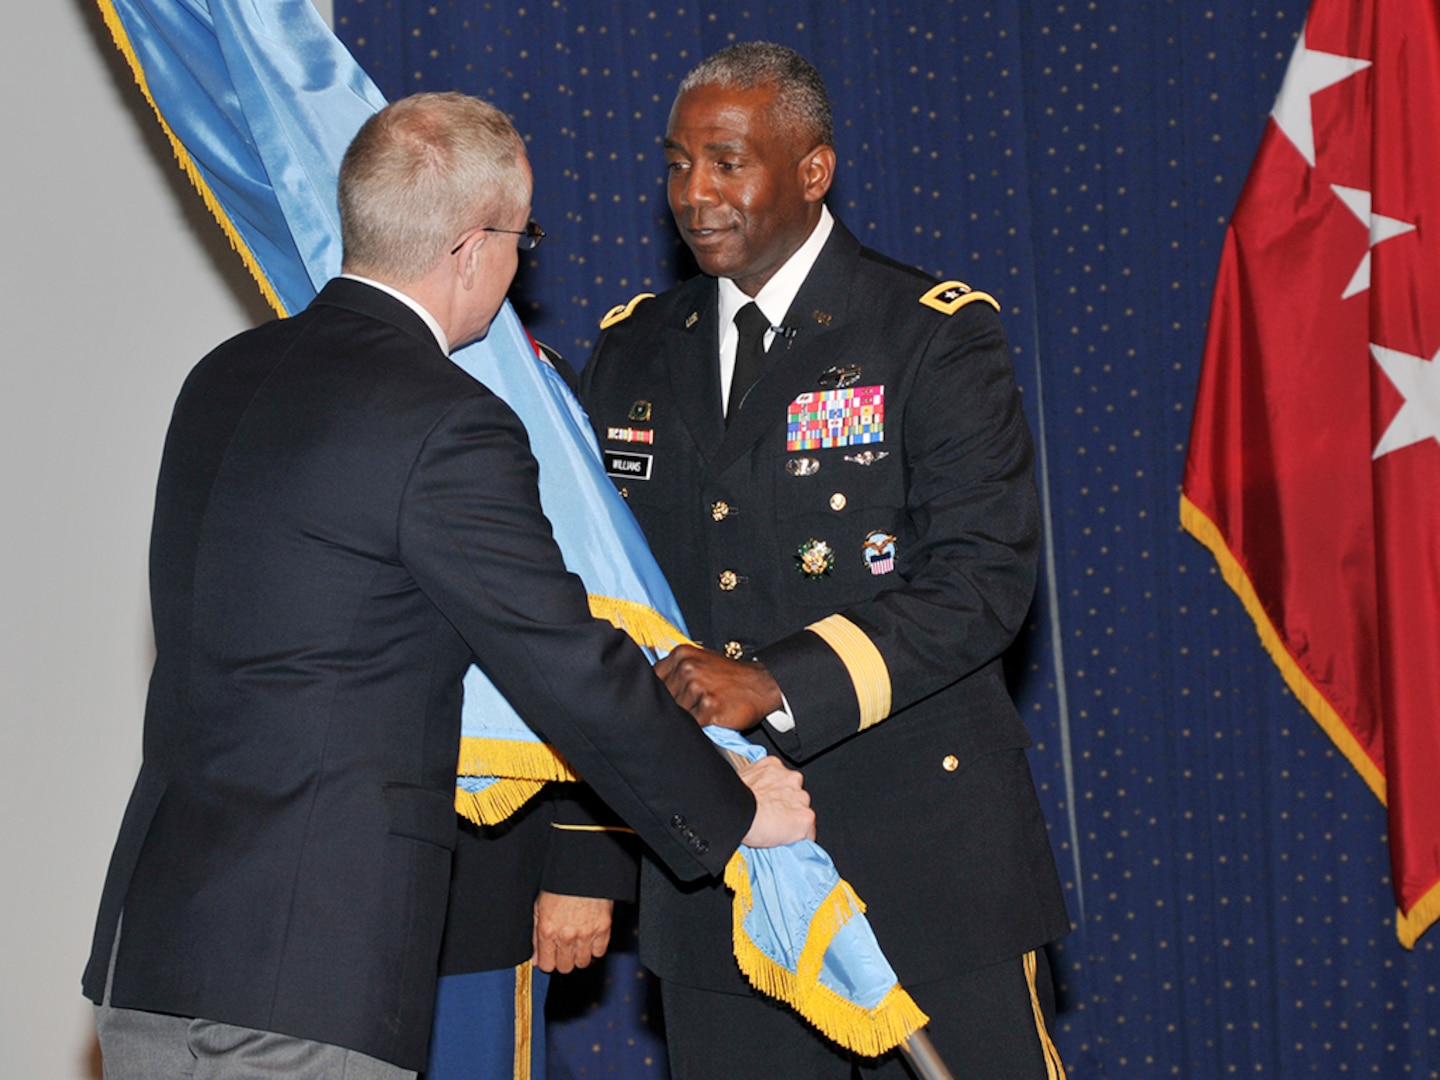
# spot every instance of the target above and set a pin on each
(780, 291)
(414, 305)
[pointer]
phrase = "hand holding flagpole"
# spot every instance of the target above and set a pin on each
(782, 805)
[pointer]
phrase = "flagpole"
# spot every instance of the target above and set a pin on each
(924, 1059)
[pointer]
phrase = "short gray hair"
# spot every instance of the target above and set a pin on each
(419, 173)
(801, 102)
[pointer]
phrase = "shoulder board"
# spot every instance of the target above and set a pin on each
(950, 296)
(621, 312)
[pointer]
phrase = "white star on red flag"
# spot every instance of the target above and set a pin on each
(1309, 72)
(1418, 381)
(1381, 228)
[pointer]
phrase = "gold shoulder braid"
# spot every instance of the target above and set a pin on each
(621, 312)
(950, 296)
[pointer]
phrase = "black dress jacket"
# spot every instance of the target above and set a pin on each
(343, 520)
(879, 582)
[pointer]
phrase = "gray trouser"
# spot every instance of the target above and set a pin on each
(136, 1045)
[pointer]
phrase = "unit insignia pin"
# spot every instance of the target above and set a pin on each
(640, 412)
(867, 457)
(802, 466)
(879, 552)
(815, 559)
(822, 317)
(838, 378)
(691, 319)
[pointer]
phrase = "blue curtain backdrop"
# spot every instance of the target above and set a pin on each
(1226, 870)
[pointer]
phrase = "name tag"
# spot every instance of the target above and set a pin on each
(630, 466)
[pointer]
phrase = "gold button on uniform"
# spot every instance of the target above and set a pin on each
(728, 580)
(734, 650)
(720, 510)
(951, 763)
(837, 501)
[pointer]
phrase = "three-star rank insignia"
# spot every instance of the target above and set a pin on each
(815, 559)
(879, 552)
(950, 296)
(639, 413)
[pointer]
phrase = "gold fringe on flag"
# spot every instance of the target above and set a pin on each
(521, 767)
(1409, 925)
(646, 626)
(187, 163)
(512, 759)
(497, 802)
(1198, 525)
(871, 1032)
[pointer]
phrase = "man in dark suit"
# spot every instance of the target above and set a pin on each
(343, 520)
(839, 487)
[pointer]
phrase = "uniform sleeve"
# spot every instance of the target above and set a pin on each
(473, 536)
(967, 562)
(591, 851)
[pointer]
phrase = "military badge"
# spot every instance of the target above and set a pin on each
(627, 434)
(831, 418)
(867, 457)
(838, 378)
(639, 412)
(802, 466)
(691, 319)
(822, 317)
(879, 552)
(815, 558)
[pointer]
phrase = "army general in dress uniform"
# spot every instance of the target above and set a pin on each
(827, 452)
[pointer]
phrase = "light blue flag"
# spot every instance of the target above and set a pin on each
(259, 100)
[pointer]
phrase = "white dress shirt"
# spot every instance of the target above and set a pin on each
(774, 300)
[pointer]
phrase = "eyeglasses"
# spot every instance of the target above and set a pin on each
(530, 236)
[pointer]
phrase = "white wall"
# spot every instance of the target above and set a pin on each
(115, 283)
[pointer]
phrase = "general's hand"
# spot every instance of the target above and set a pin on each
(718, 690)
(570, 931)
(782, 805)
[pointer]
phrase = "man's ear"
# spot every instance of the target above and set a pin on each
(470, 259)
(817, 170)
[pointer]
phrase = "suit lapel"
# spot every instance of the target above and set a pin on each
(818, 316)
(690, 347)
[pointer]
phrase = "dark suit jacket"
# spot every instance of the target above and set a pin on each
(911, 748)
(343, 519)
(562, 841)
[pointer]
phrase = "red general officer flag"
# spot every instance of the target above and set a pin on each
(1313, 472)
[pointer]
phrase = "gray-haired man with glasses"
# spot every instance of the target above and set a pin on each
(344, 520)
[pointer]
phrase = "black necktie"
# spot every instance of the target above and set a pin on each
(749, 355)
